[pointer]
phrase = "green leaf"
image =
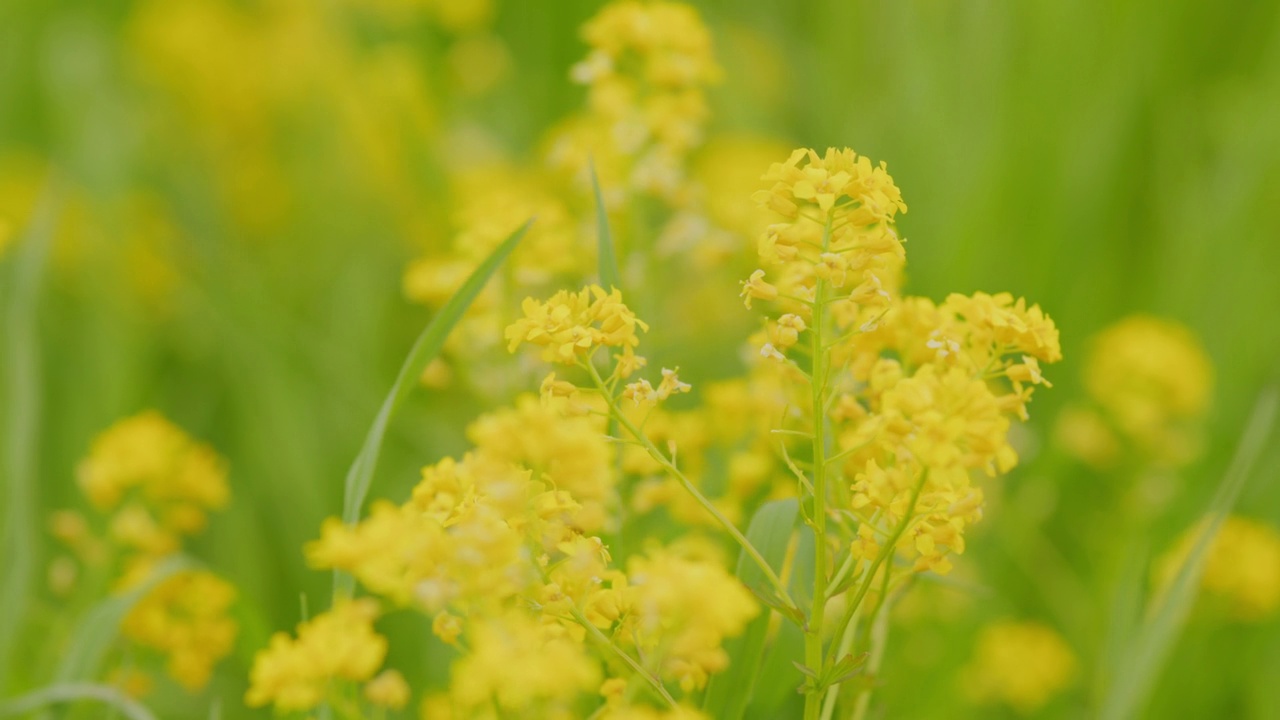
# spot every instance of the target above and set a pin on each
(770, 532)
(608, 259)
(18, 536)
(98, 629)
(1137, 673)
(800, 585)
(60, 693)
(779, 679)
(425, 349)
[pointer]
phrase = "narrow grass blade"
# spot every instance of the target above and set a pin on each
(425, 349)
(1154, 639)
(779, 677)
(98, 629)
(770, 532)
(608, 258)
(18, 541)
(62, 693)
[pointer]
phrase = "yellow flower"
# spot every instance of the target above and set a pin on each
(522, 665)
(683, 608)
(1152, 381)
(570, 325)
(1242, 566)
(186, 619)
(176, 475)
(1021, 664)
(387, 690)
(294, 674)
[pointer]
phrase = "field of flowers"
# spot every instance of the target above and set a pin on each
(639, 359)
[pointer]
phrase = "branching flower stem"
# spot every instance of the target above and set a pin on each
(631, 662)
(886, 552)
(818, 520)
(643, 441)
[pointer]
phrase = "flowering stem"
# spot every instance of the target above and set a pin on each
(818, 383)
(879, 639)
(886, 551)
(675, 472)
(631, 662)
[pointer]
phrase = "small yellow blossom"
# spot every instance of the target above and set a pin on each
(1021, 664)
(179, 476)
(388, 690)
(570, 325)
(186, 619)
(686, 607)
(1151, 381)
(293, 674)
(1242, 567)
(553, 669)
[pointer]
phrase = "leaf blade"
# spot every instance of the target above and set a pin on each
(607, 255)
(1154, 639)
(425, 349)
(769, 531)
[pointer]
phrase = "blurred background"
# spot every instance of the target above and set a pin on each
(232, 191)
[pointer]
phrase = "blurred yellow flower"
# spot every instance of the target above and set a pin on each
(294, 674)
(186, 619)
(1021, 664)
(1242, 566)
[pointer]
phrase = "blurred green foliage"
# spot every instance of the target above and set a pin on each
(1100, 159)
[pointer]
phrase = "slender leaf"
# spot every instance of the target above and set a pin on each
(608, 258)
(61, 693)
(425, 349)
(18, 539)
(98, 629)
(770, 532)
(1154, 640)
(779, 679)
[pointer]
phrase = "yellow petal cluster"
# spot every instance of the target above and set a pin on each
(158, 483)
(569, 326)
(686, 607)
(1242, 567)
(294, 672)
(1021, 664)
(647, 71)
(186, 619)
(1150, 381)
(178, 478)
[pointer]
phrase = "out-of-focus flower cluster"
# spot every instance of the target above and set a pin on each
(1020, 664)
(155, 485)
(1149, 381)
(1241, 567)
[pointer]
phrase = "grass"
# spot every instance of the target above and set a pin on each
(1102, 161)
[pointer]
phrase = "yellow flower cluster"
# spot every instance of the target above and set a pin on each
(497, 548)
(682, 609)
(1021, 664)
(1242, 567)
(647, 72)
(186, 619)
(491, 203)
(923, 393)
(341, 644)
(837, 211)
(160, 483)
(154, 463)
(570, 326)
(1150, 381)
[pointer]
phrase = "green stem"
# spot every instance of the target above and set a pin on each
(818, 384)
(631, 662)
(886, 551)
(658, 457)
(879, 639)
